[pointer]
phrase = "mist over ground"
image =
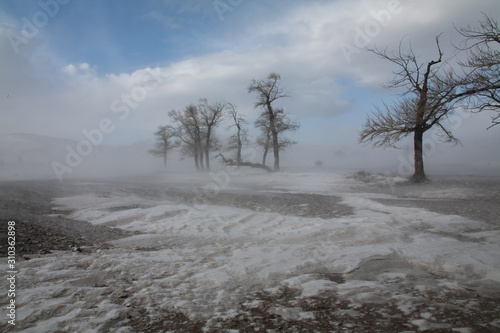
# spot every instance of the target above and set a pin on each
(28, 156)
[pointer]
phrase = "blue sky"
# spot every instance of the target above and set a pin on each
(89, 53)
(122, 36)
(117, 36)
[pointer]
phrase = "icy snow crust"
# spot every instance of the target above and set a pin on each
(217, 251)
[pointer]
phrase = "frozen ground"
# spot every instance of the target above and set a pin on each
(291, 252)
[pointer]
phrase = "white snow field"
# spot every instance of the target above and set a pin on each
(291, 252)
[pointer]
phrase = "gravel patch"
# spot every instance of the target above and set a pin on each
(38, 229)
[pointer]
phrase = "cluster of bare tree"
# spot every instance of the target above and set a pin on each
(432, 91)
(192, 129)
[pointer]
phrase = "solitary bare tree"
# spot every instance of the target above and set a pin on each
(480, 81)
(236, 141)
(211, 115)
(189, 133)
(282, 123)
(427, 100)
(264, 141)
(163, 144)
(268, 91)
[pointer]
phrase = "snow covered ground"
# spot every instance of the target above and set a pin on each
(283, 252)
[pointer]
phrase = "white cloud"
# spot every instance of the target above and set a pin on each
(84, 66)
(82, 70)
(69, 69)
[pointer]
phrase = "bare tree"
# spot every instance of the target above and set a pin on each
(480, 81)
(189, 133)
(268, 91)
(211, 115)
(283, 124)
(427, 100)
(236, 141)
(163, 144)
(264, 141)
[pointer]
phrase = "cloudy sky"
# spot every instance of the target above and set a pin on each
(68, 64)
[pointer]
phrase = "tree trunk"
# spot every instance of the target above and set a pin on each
(419, 175)
(196, 159)
(200, 158)
(240, 144)
(274, 133)
(266, 149)
(264, 155)
(165, 150)
(276, 150)
(199, 149)
(207, 149)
